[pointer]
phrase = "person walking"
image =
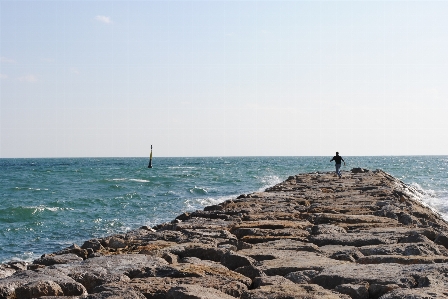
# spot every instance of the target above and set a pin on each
(337, 159)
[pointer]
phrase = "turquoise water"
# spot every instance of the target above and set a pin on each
(49, 204)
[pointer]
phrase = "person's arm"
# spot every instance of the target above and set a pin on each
(332, 159)
(343, 160)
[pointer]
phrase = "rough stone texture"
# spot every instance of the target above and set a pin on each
(116, 294)
(42, 282)
(10, 268)
(422, 293)
(357, 291)
(39, 288)
(52, 259)
(270, 280)
(195, 292)
(295, 291)
(365, 236)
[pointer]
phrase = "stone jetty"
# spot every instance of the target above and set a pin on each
(364, 236)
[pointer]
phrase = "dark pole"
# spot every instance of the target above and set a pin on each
(150, 159)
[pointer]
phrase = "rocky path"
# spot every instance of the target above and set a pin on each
(312, 236)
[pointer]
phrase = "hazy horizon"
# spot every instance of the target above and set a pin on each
(198, 157)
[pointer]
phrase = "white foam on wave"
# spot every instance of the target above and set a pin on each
(37, 209)
(172, 193)
(131, 180)
(201, 203)
(157, 220)
(424, 192)
(269, 181)
(31, 188)
(213, 201)
(181, 167)
(27, 256)
(139, 180)
(438, 203)
(198, 190)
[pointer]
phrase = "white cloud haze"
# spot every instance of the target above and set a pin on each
(28, 78)
(7, 60)
(104, 19)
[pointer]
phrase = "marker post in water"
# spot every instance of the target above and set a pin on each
(150, 159)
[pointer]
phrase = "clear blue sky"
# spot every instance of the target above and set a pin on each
(223, 78)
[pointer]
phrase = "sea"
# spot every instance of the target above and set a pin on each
(50, 204)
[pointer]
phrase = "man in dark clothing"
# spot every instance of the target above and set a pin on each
(337, 159)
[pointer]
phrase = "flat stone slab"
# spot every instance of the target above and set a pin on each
(282, 262)
(295, 291)
(350, 239)
(420, 293)
(404, 276)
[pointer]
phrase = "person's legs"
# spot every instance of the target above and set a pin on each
(338, 172)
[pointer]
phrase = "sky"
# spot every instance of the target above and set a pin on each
(223, 78)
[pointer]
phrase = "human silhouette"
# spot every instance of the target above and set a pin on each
(337, 159)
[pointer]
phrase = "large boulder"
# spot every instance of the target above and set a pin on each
(32, 284)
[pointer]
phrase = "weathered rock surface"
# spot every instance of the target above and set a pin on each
(365, 236)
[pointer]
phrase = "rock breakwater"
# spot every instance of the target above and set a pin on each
(314, 235)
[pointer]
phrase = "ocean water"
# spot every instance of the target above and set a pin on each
(49, 204)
